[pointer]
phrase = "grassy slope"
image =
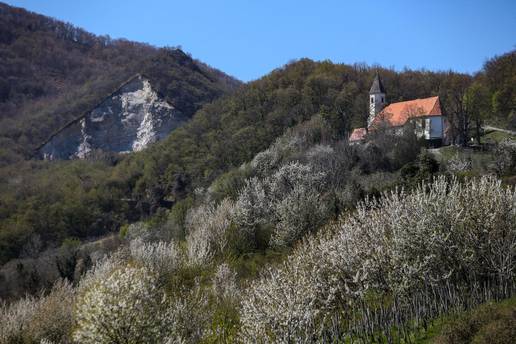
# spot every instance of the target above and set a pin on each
(493, 323)
(497, 136)
(480, 159)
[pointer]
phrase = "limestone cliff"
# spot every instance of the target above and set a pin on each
(128, 120)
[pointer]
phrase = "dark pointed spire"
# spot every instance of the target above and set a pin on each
(377, 86)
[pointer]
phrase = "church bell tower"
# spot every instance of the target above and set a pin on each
(376, 99)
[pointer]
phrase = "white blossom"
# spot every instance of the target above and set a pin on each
(47, 318)
(207, 228)
(396, 245)
(160, 257)
(225, 283)
(459, 164)
(124, 306)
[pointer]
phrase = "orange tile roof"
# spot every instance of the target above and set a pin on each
(397, 114)
(358, 134)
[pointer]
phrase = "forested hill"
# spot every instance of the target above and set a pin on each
(42, 204)
(51, 72)
(90, 198)
(231, 130)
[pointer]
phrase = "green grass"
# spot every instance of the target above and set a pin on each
(447, 152)
(490, 136)
(249, 265)
(492, 322)
(496, 136)
(480, 160)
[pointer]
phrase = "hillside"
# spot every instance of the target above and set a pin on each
(148, 198)
(222, 135)
(35, 207)
(52, 72)
(490, 323)
(279, 249)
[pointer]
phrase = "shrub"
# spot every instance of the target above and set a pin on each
(323, 158)
(15, 319)
(126, 306)
(266, 161)
(291, 199)
(160, 257)
(459, 164)
(225, 283)
(135, 230)
(230, 183)
(505, 157)
(31, 320)
(420, 171)
(252, 206)
(54, 318)
(302, 210)
(207, 230)
(350, 194)
(289, 146)
(192, 315)
(488, 324)
(226, 304)
(177, 218)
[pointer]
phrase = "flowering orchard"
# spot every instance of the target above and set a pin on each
(399, 259)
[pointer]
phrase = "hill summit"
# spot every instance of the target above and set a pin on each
(53, 73)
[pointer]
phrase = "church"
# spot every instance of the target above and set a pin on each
(425, 114)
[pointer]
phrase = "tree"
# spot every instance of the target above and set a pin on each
(452, 92)
(33, 319)
(207, 227)
(126, 306)
(500, 79)
(477, 104)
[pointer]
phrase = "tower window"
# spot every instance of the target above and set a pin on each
(382, 100)
(372, 100)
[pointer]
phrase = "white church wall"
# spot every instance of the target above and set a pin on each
(436, 127)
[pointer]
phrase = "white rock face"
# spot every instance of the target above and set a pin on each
(149, 101)
(131, 119)
(84, 147)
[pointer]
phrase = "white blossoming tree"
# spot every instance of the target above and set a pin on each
(160, 257)
(34, 319)
(207, 227)
(125, 306)
(253, 205)
(449, 235)
(292, 200)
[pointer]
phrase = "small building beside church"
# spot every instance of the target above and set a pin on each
(425, 114)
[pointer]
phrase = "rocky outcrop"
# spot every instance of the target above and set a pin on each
(128, 120)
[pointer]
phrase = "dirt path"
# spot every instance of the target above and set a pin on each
(510, 132)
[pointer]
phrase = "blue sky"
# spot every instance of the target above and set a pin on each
(247, 39)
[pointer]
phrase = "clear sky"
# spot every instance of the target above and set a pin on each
(247, 39)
